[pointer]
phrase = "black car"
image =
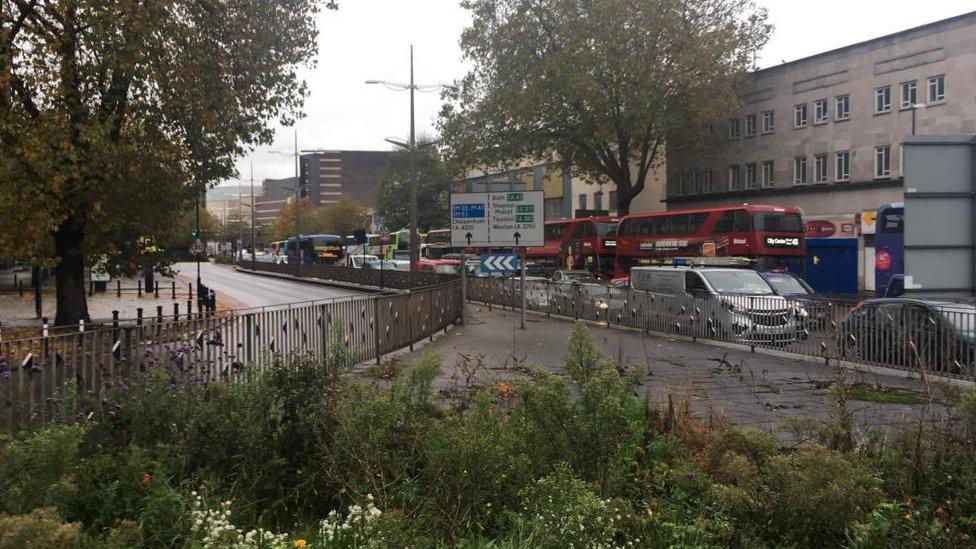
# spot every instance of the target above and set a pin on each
(935, 335)
(815, 308)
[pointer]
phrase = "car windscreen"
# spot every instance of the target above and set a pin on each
(785, 284)
(737, 282)
(777, 222)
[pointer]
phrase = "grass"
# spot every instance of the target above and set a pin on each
(882, 395)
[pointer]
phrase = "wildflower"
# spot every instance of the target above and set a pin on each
(146, 478)
(300, 543)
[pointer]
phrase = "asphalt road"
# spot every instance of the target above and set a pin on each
(247, 290)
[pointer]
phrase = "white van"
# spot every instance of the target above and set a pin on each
(740, 301)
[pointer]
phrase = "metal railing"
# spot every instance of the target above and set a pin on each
(388, 278)
(904, 334)
(71, 373)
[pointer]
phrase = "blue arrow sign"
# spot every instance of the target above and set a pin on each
(499, 263)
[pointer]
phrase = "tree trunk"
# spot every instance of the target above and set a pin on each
(72, 305)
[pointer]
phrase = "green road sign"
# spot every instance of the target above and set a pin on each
(524, 218)
(515, 197)
(525, 208)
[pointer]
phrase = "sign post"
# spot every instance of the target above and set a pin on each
(511, 219)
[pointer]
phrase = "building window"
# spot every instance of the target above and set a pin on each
(909, 94)
(598, 200)
(751, 175)
(769, 173)
(882, 100)
(842, 166)
(800, 115)
(582, 201)
(937, 88)
(750, 125)
(882, 162)
(820, 168)
(733, 128)
(734, 182)
(612, 206)
(769, 122)
(707, 180)
(842, 106)
(799, 170)
(820, 111)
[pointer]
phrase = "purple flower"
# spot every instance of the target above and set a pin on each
(150, 351)
(35, 369)
(198, 378)
(5, 374)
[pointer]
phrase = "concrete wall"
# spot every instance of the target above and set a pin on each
(947, 47)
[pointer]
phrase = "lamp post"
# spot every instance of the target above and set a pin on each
(411, 147)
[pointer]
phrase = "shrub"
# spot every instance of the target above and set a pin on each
(40, 528)
(34, 466)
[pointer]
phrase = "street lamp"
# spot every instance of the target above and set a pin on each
(411, 147)
(916, 106)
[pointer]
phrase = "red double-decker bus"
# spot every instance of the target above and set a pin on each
(581, 243)
(773, 235)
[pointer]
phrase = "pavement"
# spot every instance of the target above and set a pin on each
(235, 290)
(719, 382)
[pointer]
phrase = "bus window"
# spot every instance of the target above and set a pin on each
(777, 222)
(740, 221)
(724, 223)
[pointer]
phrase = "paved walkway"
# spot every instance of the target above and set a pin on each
(754, 390)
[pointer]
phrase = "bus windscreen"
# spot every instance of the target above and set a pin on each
(785, 222)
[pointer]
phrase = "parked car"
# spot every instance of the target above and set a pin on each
(814, 308)
(740, 303)
(912, 333)
(363, 261)
(573, 290)
(443, 266)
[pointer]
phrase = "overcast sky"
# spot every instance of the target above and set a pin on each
(370, 39)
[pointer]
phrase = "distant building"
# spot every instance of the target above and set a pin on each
(565, 194)
(825, 133)
(278, 188)
(330, 175)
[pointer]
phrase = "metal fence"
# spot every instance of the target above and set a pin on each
(904, 334)
(72, 373)
(392, 279)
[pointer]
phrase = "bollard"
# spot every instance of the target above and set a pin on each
(118, 287)
(139, 316)
(174, 289)
(139, 287)
(159, 313)
(189, 286)
(189, 309)
(81, 325)
(20, 288)
(176, 311)
(213, 301)
(91, 288)
(44, 326)
(157, 290)
(115, 319)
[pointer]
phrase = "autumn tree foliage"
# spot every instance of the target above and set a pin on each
(116, 114)
(602, 85)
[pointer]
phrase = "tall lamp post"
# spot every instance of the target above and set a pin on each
(411, 147)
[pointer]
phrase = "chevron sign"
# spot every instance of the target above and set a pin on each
(499, 263)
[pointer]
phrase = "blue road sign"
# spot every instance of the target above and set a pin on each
(468, 211)
(499, 263)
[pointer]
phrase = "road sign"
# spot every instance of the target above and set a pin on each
(469, 220)
(497, 219)
(197, 248)
(499, 263)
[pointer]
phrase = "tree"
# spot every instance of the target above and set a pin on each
(343, 217)
(115, 113)
(434, 177)
(601, 85)
(284, 223)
